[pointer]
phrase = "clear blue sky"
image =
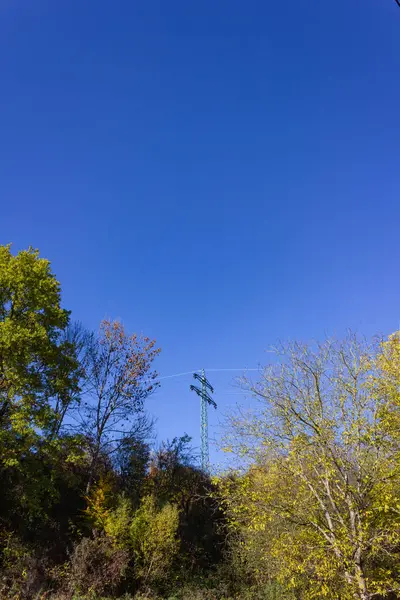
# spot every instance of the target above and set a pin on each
(218, 174)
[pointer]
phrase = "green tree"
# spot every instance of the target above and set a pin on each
(131, 463)
(321, 502)
(34, 366)
(38, 371)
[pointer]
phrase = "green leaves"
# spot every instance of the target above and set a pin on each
(148, 533)
(38, 370)
(34, 366)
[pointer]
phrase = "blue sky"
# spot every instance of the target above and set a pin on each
(216, 174)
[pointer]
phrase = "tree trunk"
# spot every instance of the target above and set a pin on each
(362, 583)
(92, 469)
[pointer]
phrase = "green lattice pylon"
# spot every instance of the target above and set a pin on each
(205, 399)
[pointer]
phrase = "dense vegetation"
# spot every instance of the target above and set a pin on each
(88, 509)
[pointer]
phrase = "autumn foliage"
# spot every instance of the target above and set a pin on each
(92, 508)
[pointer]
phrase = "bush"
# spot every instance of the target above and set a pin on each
(23, 574)
(154, 540)
(221, 591)
(97, 567)
(148, 534)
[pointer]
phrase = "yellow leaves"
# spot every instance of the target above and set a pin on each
(227, 449)
(98, 504)
(326, 486)
(152, 535)
(150, 532)
(386, 381)
(281, 523)
(117, 523)
(19, 422)
(11, 462)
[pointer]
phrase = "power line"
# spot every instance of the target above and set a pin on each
(241, 369)
(397, 2)
(199, 370)
(230, 393)
(180, 374)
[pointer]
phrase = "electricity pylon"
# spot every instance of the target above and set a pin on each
(205, 399)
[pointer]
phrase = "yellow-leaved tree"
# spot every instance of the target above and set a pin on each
(317, 506)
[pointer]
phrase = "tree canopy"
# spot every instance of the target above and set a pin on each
(91, 508)
(321, 495)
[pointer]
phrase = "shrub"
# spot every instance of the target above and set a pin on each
(154, 539)
(23, 574)
(148, 534)
(97, 566)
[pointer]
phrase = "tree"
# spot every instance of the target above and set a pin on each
(34, 366)
(385, 383)
(77, 339)
(324, 489)
(38, 368)
(118, 380)
(174, 478)
(167, 466)
(131, 462)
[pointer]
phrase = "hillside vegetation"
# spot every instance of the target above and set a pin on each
(89, 509)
